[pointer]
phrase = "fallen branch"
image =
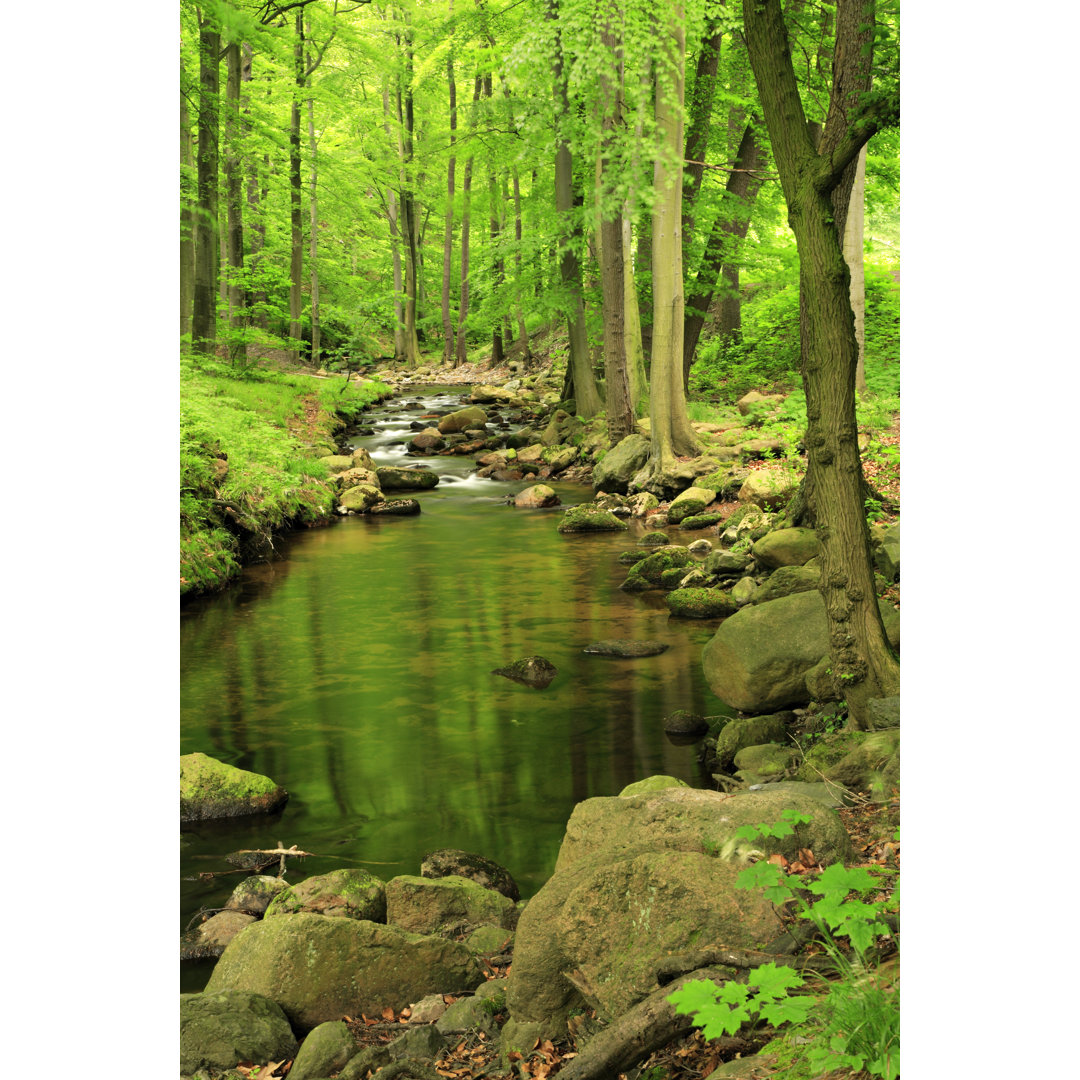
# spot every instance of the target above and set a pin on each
(643, 1029)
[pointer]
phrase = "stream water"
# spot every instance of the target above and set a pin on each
(356, 672)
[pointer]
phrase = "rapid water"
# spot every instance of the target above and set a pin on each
(356, 672)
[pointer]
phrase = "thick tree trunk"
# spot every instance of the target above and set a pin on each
(448, 232)
(859, 650)
(204, 301)
(579, 368)
(466, 193)
(730, 305)
(188, 195)
(296, 220)
(234, 195)
(853, 256)
(670, 430)
(728, 229)
(635, 355)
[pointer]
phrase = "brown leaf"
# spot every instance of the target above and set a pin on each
(806, 857)
(268, 1070)
(388, 1013)
(778, 860)
(407, 1011)
(369, 1022)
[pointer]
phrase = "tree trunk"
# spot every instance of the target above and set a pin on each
(523, 334)
(700, 118)
(853, 256)
(448, 233)
(670, 430)
(620, 415)
(313, 240)
(635, 354)
(188, 195)
(256, 227)
(395, 245)
(296, 220)
(728, 229)
(859, 650)
(204, 300)
(579, 368)
(234, 194)
(466, 192)
(493, 232)
(408, 205)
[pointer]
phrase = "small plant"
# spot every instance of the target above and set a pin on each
(855, 1023)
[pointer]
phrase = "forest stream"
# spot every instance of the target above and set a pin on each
(356, 671)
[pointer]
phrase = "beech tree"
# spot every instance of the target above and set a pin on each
(860, 652)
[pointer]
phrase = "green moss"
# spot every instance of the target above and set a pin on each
(701, 603)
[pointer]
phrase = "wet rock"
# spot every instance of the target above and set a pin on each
(787, 581)
(219, 1030)
(445, 904)
(360, 498)
(655, 539)
(589, 518)
(642, 503)
(787, 547)
(328, 1048)
(650, 571)
(208, 939)
(428, 439)
(337, 462)
(746, 731)
(536, 497)
(507, 474)
(211, 789)
(691, 603)
(253, 895)
(531, 670)
(620, 464)
(396, 507)
(349, 894)
(625, 648)
(699, 521)
(699, 547)
(463, 420)
(392, 478)
(682, 722)
(689, 502)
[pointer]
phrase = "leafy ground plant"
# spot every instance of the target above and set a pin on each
(852, 1022)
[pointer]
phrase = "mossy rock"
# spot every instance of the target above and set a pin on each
(701, 603)
(336, 463)
(432, 905)
(219, 1030)
(452, 862)
(826, 752)
(348, 893)
(655, 539)
(689, 502)
(725, 481)
(629, 558)
(328, 1048)
(787, 547)
(699, 521)
(392, 478)
(590, 518)
(360, 498)
(490, 940)
(647, 573)
(750, 731)
(673, 578)
(767, 759)
(651, 783)
(726, 563)
(211, 789)
(786, 581)
(254, 894)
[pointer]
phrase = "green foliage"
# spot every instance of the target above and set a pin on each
(855, 1022)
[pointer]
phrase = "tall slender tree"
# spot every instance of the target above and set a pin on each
(204, 300)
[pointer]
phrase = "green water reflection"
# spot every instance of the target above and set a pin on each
(358, 674)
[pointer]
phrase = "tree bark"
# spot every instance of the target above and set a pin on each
(579, 368)
(204, 301)
(395, 240)
(448, 232)
(700, 117)
(853, 256)
(466, 193)
(313, 239)
(728, 229)
(256, 227)
(296, 220)
(523, 334)
(234, 194)
(670, 430)
(188, 196)
(408, 203)
(858, 648)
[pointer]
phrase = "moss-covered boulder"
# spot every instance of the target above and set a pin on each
(786, 581)
(392, 478)
(651, 783)
(691, 501)
(361, 459)
(489, 940)
(639, 877)
(647, 573)
(700, 521)
(211, 789)
(769, 487)
(629, 558)
(208, 939)
(656, 538)
(253, 894)
(887, 553)
(451, 862)
(787, 547)
(396, 508)
(437, 905)
(219, 1030)
(620, 463)
(590, 518)
(559, 458)
(726, 563)
(329, 1048)
(533, 671)
(757, 661)
(684, 722)
(745, 731)
(347, 894)
(857, 761)
(336, 463)
(641, 504)
(360, 498)
(766, 759)
(463, 420)
(427, 441)
(701, 603)
(744, 591)
(357, 475)
(320, 969)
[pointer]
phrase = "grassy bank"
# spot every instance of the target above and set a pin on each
(249, 449)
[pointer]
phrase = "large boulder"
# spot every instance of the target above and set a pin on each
(786, 581)
(391, 478)
(757, 661)
(320, 969)
(434, 905)
(536, 497)
(620, 463)
(467, 419)
(887, 553)
(327, 1049)
(701, 603)
(588, 517)
(639, 877)
(360, 498)
(787, 547)
(689, 502)
(208, 939)
(346, 894)
(219, 1030)
(253, 894)
(768, 487)
(211, 789)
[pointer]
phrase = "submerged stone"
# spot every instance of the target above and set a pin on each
(531, 670)
(623, 647)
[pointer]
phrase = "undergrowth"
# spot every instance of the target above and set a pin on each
(248, 460)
